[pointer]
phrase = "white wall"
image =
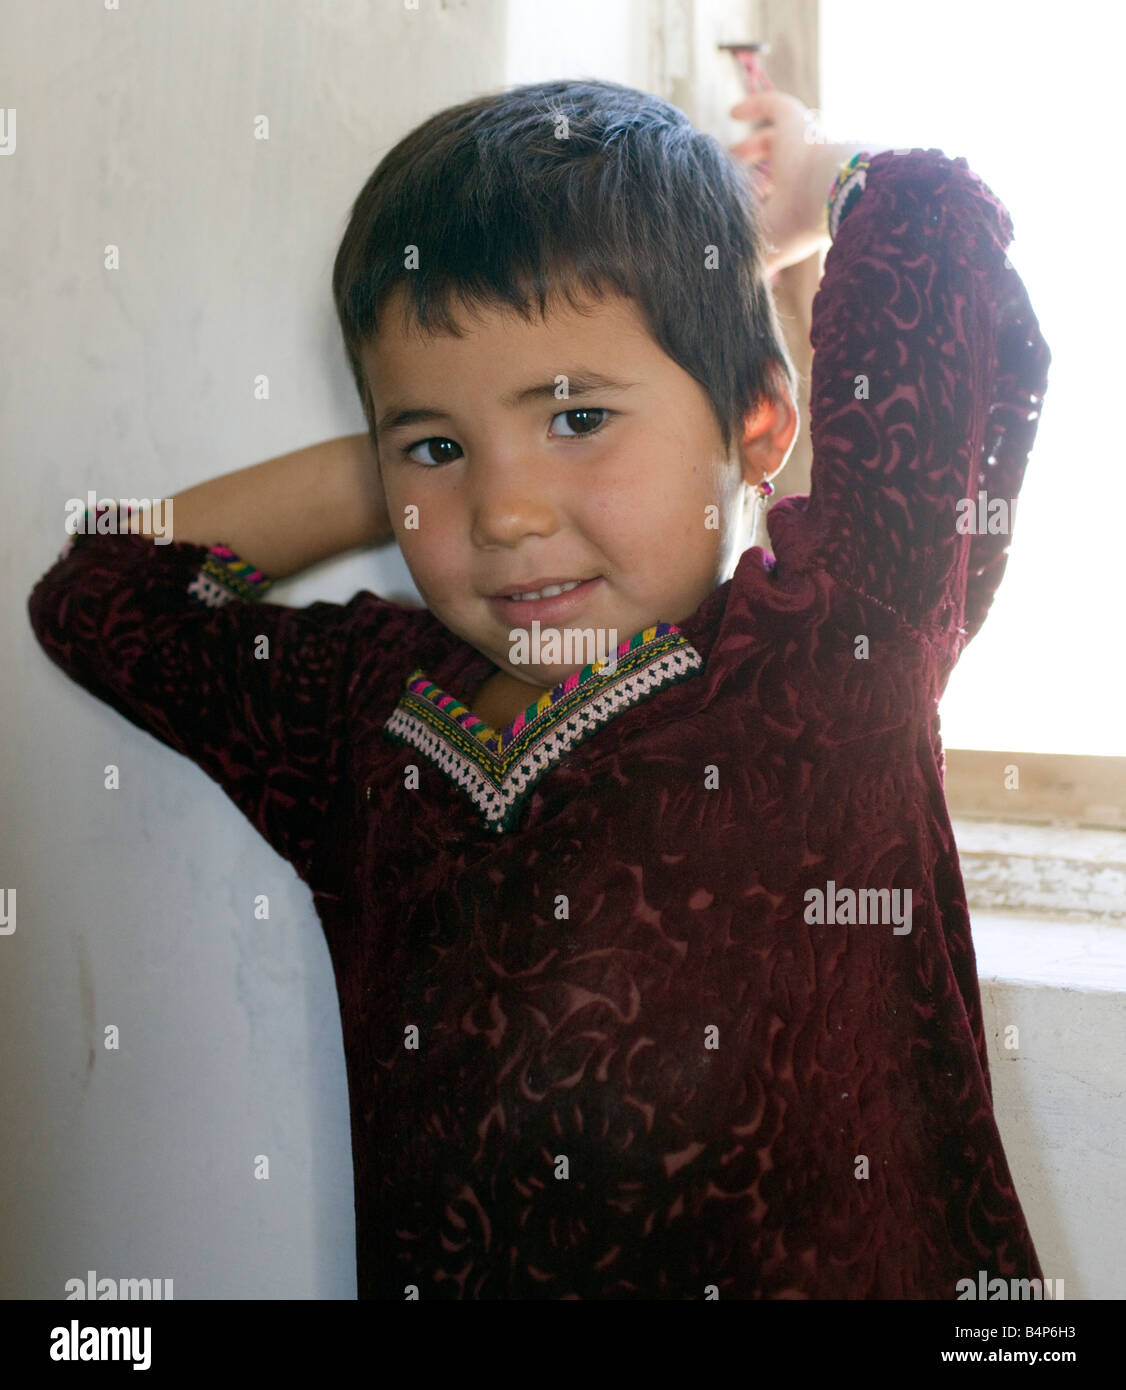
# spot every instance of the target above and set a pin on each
(134, 907)
(1057, 1096)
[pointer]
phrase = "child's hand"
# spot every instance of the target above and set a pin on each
(799, 171)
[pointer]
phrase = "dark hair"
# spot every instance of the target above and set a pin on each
(632, 196)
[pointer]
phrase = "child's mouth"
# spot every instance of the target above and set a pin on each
(546, 610)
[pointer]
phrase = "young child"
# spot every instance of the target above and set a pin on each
(654, 963)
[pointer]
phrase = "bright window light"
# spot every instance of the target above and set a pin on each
(1024, 90)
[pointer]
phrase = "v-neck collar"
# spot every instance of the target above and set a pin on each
(498, 770)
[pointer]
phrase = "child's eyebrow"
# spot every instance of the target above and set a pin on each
(579, 384)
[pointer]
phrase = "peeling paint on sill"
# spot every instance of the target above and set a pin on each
(1062, 871)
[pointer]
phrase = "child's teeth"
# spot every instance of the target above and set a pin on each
(550, 591)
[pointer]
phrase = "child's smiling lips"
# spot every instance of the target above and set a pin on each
(550, 609)
(533, 586)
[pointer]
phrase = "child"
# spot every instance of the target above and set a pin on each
(655, 971)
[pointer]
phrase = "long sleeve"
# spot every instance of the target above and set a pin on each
(928, 372)
(253, 692)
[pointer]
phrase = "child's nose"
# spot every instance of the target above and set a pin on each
(509, 498)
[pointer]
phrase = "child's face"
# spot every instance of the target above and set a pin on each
(637, 494)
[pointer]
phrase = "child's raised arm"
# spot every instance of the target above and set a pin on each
(929, 370)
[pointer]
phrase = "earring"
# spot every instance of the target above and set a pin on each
(763, 491)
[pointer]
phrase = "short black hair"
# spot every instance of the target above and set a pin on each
(566, 187)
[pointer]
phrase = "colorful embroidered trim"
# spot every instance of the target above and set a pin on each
(847, 188)
(498, 771)
(223, 576)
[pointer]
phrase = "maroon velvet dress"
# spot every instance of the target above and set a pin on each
(597, 1044)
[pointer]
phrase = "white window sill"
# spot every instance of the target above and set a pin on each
(1051, 954)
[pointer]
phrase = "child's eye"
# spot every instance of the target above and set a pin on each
(435, 442)
(587, 425)
(584, 411)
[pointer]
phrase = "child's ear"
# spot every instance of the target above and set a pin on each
(769, 431)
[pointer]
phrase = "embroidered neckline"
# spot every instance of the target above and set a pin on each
(499, 769)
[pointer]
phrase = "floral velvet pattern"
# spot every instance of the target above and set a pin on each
(603, 1052)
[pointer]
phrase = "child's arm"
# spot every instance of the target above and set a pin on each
(289, 512)
(176, 638)
(929, 371)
